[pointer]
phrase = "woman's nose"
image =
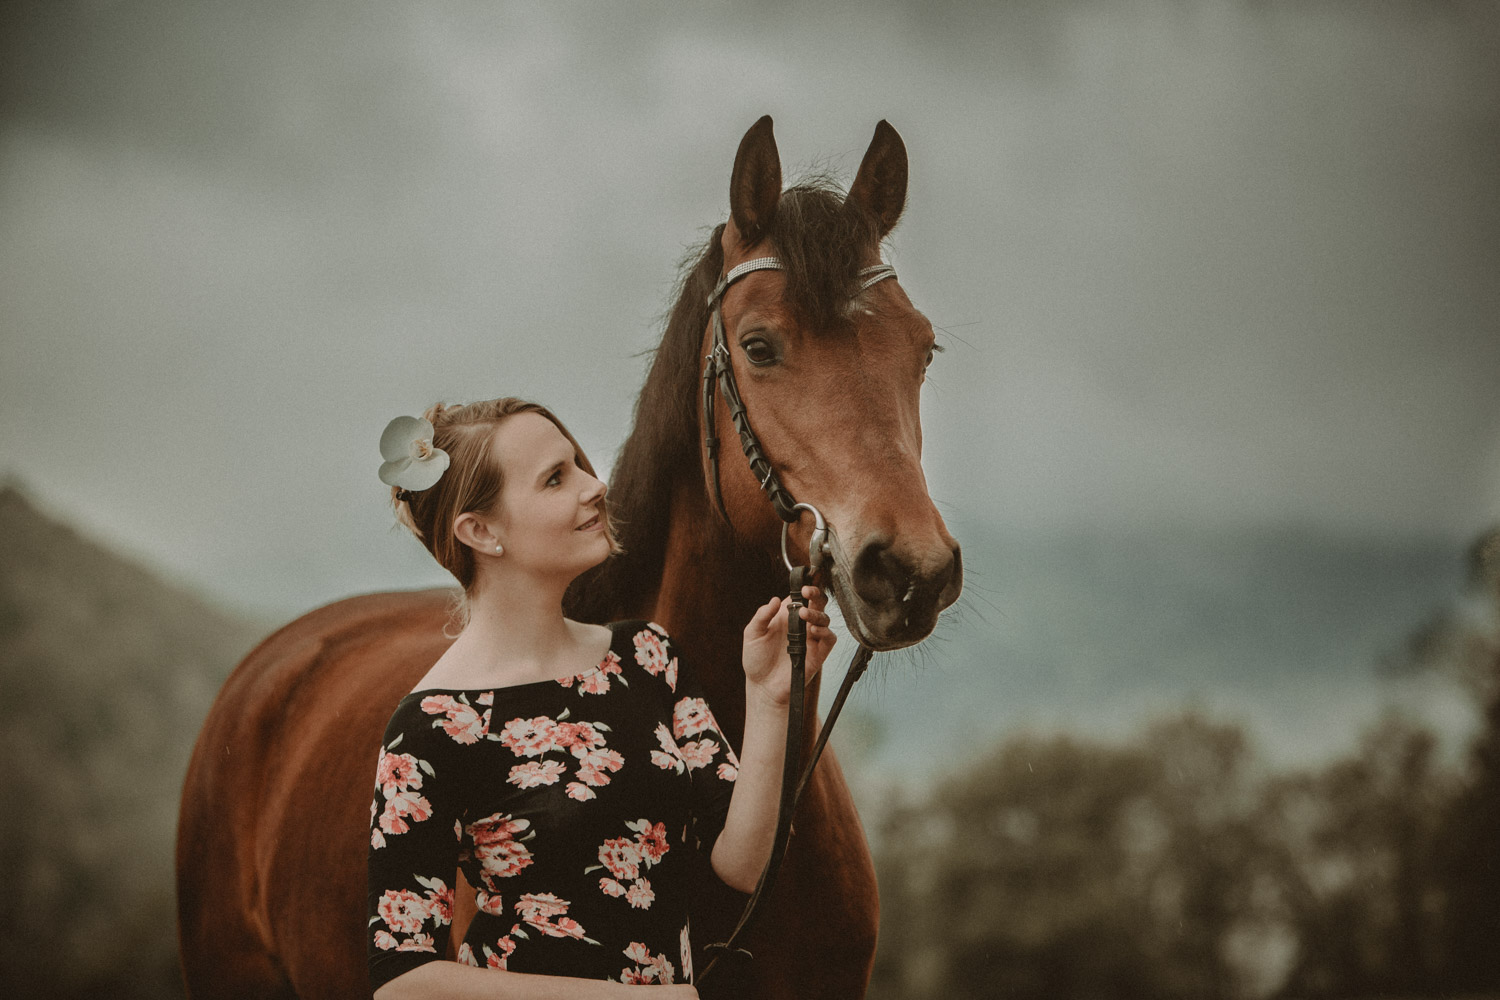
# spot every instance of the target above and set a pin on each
(595, 492)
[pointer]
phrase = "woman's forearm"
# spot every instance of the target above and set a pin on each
(745, 843)
(455, 981)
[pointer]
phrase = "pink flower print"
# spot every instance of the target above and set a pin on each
(384, 941)
(669, 756)
(639, 895)
(486, 698)
(650, 968)
(728, 771)
(594, 763)
(463, 722)
(651, 653)
(538, 908)
(610, 887)
(622, 857)
(536, 772)
(577, 737)
(439, 900)
(699, 753)
(691, 717)
(650, 650)
(401, 805)
(565, 927)
(397, 773)
(596, 682)
(417, 942)
(499, 854)
(377, 839)
(505, 946)
(685, 953)
(651, 839)
(579, 791)
(466, 955)
(403, 911)
(530, 737)
(489, 902)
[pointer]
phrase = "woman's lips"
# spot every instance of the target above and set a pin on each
(589, 525)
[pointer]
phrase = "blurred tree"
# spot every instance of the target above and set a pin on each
(1354, 848)
(1059, 868)
(1470, 850)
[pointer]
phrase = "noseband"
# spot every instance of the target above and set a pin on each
(718, 368)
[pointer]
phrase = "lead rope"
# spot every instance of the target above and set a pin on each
(794, 778)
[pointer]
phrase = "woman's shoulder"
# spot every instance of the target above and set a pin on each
(432, 718)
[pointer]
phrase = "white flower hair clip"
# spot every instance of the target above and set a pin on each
(412, 462)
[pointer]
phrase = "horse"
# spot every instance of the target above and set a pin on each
(274, 823)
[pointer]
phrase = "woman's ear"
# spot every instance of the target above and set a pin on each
(476, 534)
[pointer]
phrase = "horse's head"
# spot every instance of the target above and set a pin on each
(831, 374)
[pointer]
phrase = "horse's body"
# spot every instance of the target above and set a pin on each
(274, 825)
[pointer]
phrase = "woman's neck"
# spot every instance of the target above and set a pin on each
(517, 626)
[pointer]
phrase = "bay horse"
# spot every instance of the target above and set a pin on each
(274, 823)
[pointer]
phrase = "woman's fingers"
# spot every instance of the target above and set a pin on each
(815, 596)
(760, 622)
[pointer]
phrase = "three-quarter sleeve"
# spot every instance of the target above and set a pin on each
(414, 843)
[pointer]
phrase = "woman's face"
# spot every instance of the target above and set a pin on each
(550, 516)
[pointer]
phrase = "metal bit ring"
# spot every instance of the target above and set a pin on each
(817, 545)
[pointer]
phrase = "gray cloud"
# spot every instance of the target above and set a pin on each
(1218, 263)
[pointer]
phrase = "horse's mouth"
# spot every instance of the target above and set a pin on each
(893, 624)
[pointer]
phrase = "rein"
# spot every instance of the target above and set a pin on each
(718, 370)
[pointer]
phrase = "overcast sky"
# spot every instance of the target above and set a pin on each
(1212, 264)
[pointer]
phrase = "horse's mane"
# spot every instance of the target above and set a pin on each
(820, 238)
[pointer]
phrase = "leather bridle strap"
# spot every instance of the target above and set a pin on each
(718, 368)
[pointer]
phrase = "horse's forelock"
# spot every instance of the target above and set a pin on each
(823, 241)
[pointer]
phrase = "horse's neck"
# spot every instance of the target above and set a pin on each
(709, 590)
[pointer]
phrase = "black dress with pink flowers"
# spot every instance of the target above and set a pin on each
(574, 807)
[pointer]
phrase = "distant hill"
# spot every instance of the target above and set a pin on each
(106, 673)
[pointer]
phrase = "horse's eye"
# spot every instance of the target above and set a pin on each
(931, 354)
(759, 351)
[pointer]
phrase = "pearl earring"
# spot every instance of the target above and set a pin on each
(499, 550)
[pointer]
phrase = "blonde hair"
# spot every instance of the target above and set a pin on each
(472, 481)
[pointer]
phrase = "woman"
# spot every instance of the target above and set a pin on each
(572, 770)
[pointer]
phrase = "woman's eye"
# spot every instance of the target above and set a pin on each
(758, 351)
(555, 479)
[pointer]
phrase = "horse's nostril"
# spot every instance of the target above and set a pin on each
(880, 577)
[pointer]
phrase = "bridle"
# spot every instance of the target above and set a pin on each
(718, 370)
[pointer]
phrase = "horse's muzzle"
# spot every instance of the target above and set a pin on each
(897, 595)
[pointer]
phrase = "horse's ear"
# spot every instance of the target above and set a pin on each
(755, 184)
(880, 186)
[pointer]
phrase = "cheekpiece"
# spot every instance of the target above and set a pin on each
(412, 462)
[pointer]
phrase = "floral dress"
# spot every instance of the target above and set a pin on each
(575, 807)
